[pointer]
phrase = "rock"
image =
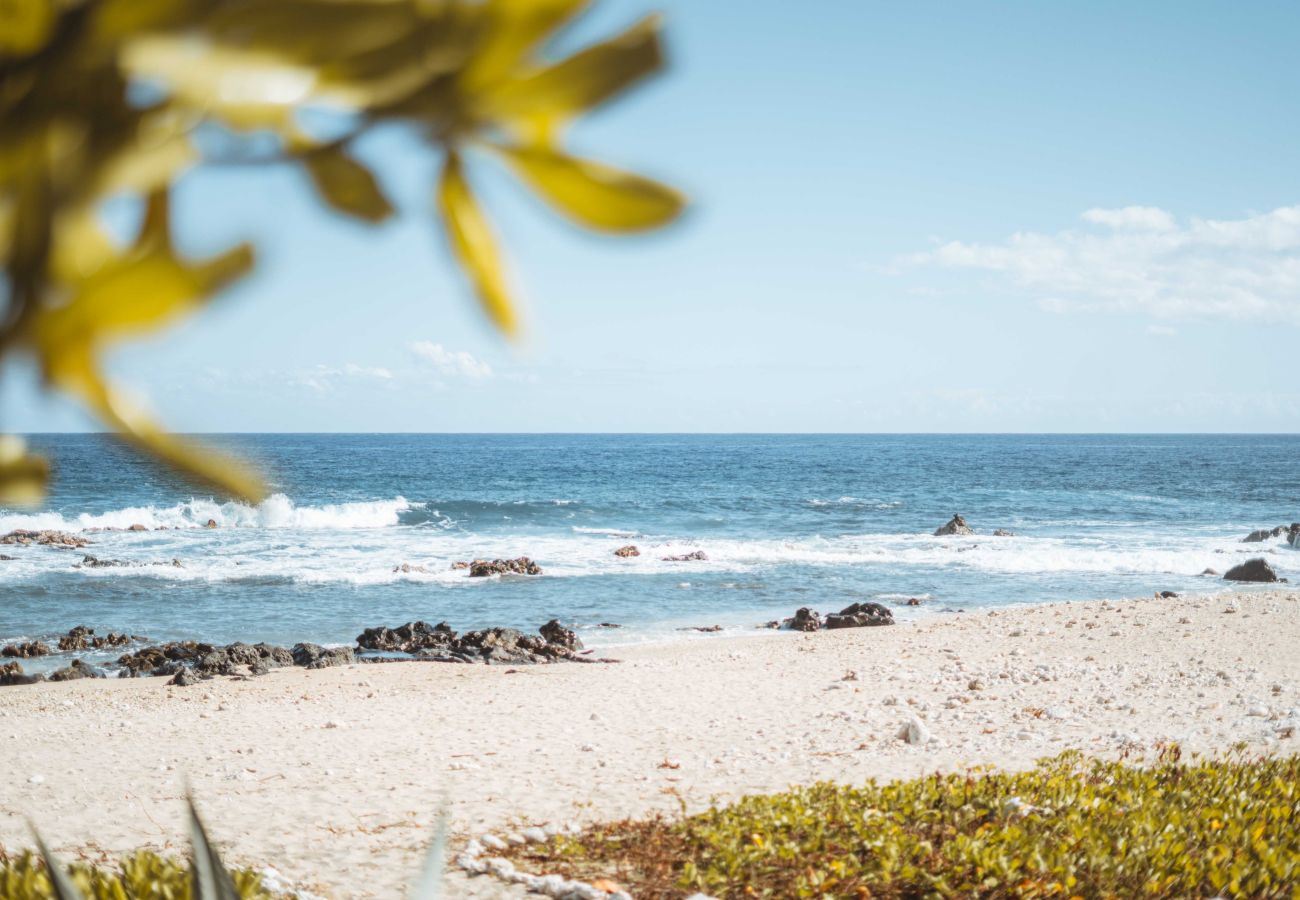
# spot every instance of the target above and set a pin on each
(507, 646)
(137, 527)
(83, 638)
(1210, 572)
(314, 656)
(482, 568)
(629, 550)
(211, 523)
(407, 569)
(409, 638)
(557, 634)
(94, 562)
(1256, 537)
(78, 669)
(47, 538)
(914, 732)
(696, 556)
(13, 674)
(913, 601)
(204, 660)
(1166, 595)
(1256, 569)
(804, 619)
(1002, 532)
(186, 678)
(26, 650)
(860, 615)
(707, 629)
(459, 565)
(609, 625)
(956, 525)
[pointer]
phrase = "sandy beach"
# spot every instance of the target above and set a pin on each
(334, 777)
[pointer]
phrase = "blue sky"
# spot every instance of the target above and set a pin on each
(906, 217)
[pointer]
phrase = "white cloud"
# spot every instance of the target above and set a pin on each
(1145, 261)
(1136, 218)
(325, 378)
(452, 362)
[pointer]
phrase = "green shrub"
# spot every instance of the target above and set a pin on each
(142, 875)
(1071, 827)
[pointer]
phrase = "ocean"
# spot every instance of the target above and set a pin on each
(785, 521)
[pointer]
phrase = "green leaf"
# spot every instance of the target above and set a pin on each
(63, 887)
(594, 194)
(347, 185)
(211, 879)
(475, 247)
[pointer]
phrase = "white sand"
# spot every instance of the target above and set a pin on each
(334, 777)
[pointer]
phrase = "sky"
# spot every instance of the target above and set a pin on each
(920, 217)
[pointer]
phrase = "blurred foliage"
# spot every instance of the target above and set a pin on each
(144, 874)
(107, 98)
(1071, 827)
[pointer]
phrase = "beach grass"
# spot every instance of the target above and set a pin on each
(1070, 827)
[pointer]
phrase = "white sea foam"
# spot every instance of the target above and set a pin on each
(276, 511)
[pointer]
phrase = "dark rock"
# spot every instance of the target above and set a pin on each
(1167, 595)
(1002, 532)
(609, 625)
(482, 568)
(1256, 537)
(94, 562)
(557, 634)
(697, 556)
(1210, 572)
(137, 527)
(78, 669)
(26, 650)
(212, 523)
(459, 564)
(409, 638)
(629, 550)
(496, 646)
(956, 525)
(186, 677)
(706, 629)
(1256, 569)
(47, 537)
(83, 638)
(314, 656)
(913, 601)
(861, 615)
(13, 674)
(775, 623)
(4, 558)
(805, 619)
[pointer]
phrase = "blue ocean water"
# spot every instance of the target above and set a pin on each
(786, 521)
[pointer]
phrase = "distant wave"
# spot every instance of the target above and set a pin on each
(276, 511)
(607, 532)
(859, 502)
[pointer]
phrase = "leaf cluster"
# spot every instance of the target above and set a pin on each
(105, 99)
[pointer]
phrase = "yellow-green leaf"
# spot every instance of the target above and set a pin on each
(25, 25)
(514, 28)
(594, 194)
(22, 474)
(584, 80)
(475, 247)
(347, 185)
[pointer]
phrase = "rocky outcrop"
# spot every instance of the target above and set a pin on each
(409, 569)
(1288, 532)
(629, 550)
(46, 538)
(314, 656)
(482, 568)
(860, 615)
(12, 674)
(555, 633)
(203, 661)
(696, 556)
(459, 564)
(1257, 570)
(805, 619)
(1002, 532)
(409, 638)
(83, 638)
(26, 650)
(956, 525)
(78, 669)
(211, 523)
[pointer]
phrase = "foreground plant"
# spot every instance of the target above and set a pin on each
(102, 99)
(1071, 827)
(148, 876)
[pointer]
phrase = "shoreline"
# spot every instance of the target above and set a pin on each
(334, 776)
